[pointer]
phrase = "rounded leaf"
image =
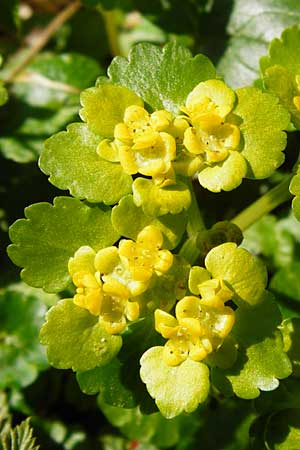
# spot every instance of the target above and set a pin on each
(44, 242)
(175, 389)
(75, 338)
(245, 274)
(103, 107)
(70, 158)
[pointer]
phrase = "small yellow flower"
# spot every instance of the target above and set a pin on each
(89, 292)
(214, 293)
(143, 144)
(112, 268)
(211, 137)
(196, 331)
(116, 307)
(144, 256)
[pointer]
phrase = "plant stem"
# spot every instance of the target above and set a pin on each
(273, 198)
(195, 220)
(44, 37)
(111, 31)
(195, 225)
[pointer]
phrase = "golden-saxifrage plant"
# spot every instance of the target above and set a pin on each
(158, 306)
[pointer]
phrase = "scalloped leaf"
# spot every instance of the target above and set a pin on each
(283, 430)
(261, 361)
(263, 122)
(286, 396)
(75, 339)
(158, 201)
(119, 382)
(21, 356)
(295, 190)
(108, 380)
(226, 175)
(281, 66)
(161, 77)
(243, 272)
(103, 107)
(251, 27)
(50, 235)
(144, 428)
(129, 220)
(70, 158)
(290, 330)
(175, 389)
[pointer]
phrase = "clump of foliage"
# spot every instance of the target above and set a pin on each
(170, 289)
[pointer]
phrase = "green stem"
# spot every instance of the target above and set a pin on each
(195, 225)
(273, 198)
(195, 221)
(111, 31)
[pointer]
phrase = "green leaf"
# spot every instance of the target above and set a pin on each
(283, 430)
(263, 120)
(251, 26)
(243, 272)
(295, 190)
(42, 246)
(261, 358)
(108, 380)
(175, 389)
(158, 201)
(225, 356)
(129, 220)
(280, 68)
(285, 284)
(52, 80)
(119, 381)
(24, 128)
(162, 78)
(223, 425)
(290, 330)
(144, 428)
(19, 438)
(286, 396)
(21, 356)
(275, 239)
(70, 158)
(103, 107)
(226, 175)
(3, 91)
(3, 94)
(75, 339)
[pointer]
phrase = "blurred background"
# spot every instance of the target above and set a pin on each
(49, 52)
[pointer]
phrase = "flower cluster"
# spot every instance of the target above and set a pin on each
(200, 326)
(108, 281)
(160, 144)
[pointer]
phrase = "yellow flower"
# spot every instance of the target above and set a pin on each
(211, 137)
(89, 292)
(116, 308)
(196, 331)
(112, 268)
(143, 144)
(144, 256)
